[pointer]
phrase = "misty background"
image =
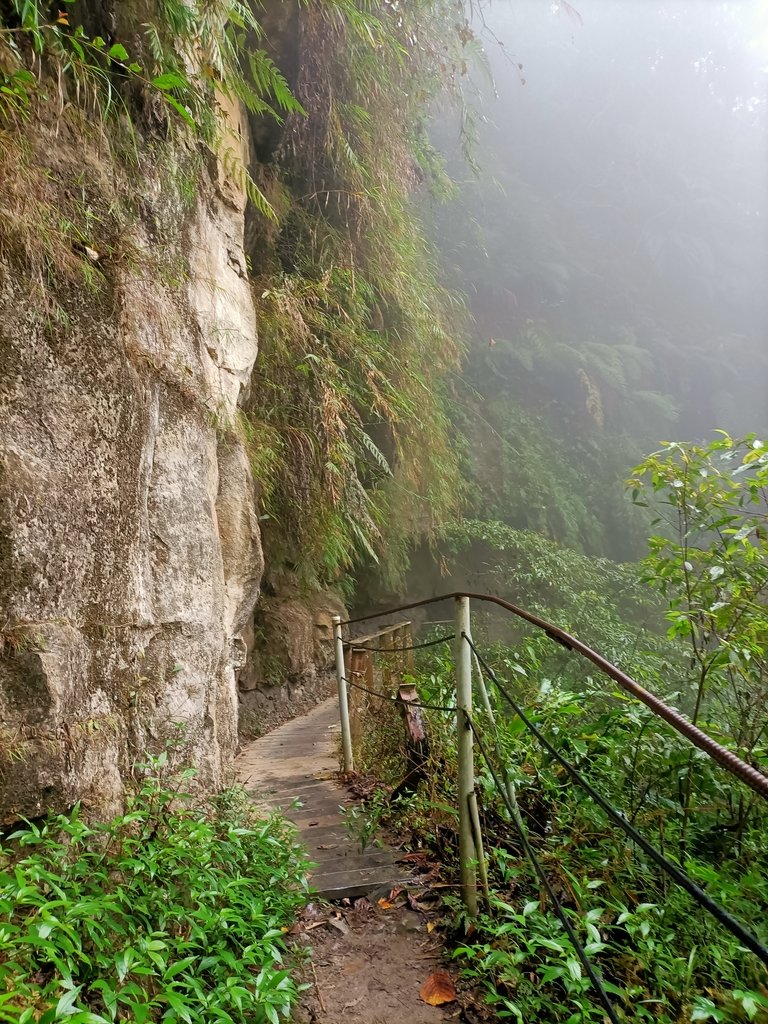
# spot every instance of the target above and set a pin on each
(613, 249)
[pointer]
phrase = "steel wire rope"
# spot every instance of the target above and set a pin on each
(695, 891)
(398, 650)
(592, 974)
(398, 700)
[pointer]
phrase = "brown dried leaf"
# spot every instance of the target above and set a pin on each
(414, 904)
(387, 903)
(438, 989)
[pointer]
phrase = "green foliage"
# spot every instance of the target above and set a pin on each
(191, 56)
(551, 430)
(358, 335)
(662, 959)
(711, 563)
(350, 436)
(660, 955)
(170, 911)
(602, 602)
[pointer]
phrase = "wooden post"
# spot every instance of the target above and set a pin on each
(464, 747)
(357, 700)
(346, 735)
(416, 740)
(387, 668)
(397, 660)
(410, 660)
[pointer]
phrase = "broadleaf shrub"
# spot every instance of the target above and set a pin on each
(171, 911)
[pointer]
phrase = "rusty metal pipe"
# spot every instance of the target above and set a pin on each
(732, 763)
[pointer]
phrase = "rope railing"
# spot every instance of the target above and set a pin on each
(721, 915)
(732, 763)
(355, 646)
(451, 709)
(726, 919)
(594, 976)
(469, 732)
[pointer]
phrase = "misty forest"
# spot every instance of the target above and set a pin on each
(383, 511)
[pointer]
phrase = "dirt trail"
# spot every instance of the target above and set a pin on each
(367, 967)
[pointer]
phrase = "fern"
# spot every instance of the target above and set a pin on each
(366, 441)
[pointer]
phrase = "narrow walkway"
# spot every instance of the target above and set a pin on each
(293, 769)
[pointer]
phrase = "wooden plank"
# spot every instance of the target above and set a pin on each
(299, 760)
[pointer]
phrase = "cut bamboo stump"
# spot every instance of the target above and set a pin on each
(293, 769)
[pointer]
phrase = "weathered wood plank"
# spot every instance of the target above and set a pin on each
(299, 761)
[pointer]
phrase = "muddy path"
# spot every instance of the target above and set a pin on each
(375, 963)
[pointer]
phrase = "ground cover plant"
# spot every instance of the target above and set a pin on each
(173, 910)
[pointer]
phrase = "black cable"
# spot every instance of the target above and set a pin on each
(696, 892)
(397, 650)
(592, 974)
(397, 700)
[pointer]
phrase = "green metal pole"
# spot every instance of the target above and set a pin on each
(346, 734)
(466, 779)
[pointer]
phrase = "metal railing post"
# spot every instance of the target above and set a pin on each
(466, 779)
(346, 735)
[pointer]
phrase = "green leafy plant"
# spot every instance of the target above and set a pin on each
(711, 563)
(350, 414)
(192, 56)
(661, 959)
(170, 911)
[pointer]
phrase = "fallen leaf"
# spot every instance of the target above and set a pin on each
(438, 989)
(431, 925)
(386, 903)
(418, 857)
(434, 872)
(414, 904)
(339, 924)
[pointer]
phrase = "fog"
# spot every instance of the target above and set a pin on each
(613, 243)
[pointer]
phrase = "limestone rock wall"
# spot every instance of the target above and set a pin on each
(289, 662)
(130, 554)
(131, 560)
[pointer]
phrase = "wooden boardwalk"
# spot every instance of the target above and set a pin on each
(297, 762)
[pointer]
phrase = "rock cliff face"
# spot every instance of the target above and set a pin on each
(130, 557)
(130, 552)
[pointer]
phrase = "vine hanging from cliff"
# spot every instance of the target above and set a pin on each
(358, 335)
